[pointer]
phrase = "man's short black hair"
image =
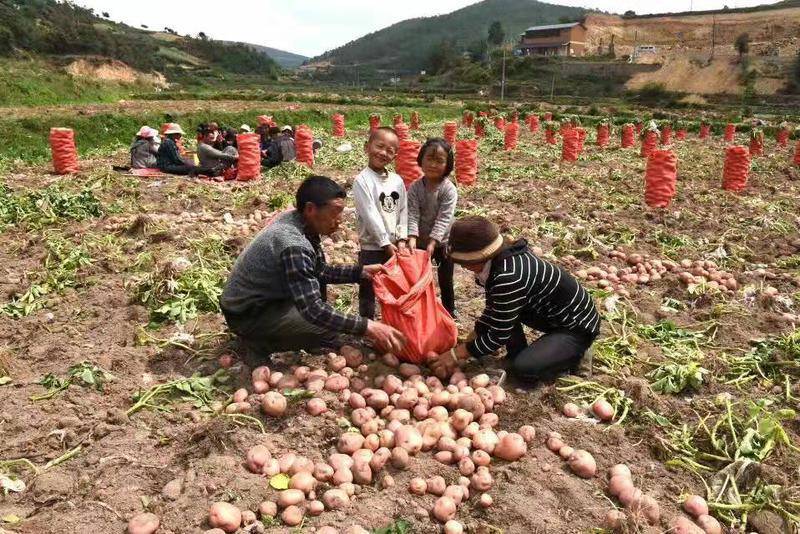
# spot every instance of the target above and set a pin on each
(274, 130)
(319, 190)
(432, 143)
(382, 129)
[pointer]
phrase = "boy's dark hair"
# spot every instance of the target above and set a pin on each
(382, 129)
(274, 130)
(230, 136)
(319, 190)
(444, 145)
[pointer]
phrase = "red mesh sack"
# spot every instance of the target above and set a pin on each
(480, 129)
(402, 130)
(266, 120)
(550, 136)
(337, 121)
(374, 122)
(797, 154)
(406, 163)
(483, 114)
(705, 131)
(65, 155)
(581, 139)
(500, 123)
(249, 166)
(570, 145)
(511, 136)
(730, 132)
(398, 119)
(660, 178)
(680, 135)
(639, 127)
(533, 124)
(628, 136)
(603, 134)
(515, 117)
(548, 117)
(466, 161)
(414, 120)
(736, 169)
(757, 146)
(782, 137)
(303, 142)
(407, 295)
(450, 132)
(467, 119)
(649, 144)
(666, 135)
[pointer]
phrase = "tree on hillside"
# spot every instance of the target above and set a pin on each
(629, 13)
(442, 57)
(496, 33)
(742, 44)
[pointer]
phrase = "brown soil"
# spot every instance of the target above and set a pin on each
(125, 462)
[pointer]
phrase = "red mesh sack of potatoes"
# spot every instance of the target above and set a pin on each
(414, 120)
(660, 178)
(569, 145)
(466, 161)
(628, 136)
(797, 153)
(603, 134)
(649, 143)
(705, 131)
(548, 117)
(398, 119)
(782, 137)
(407, 294)
(730, 132)
(500, 123)
(511, 136)
(581, 132)
(550, 136)
(337, 125)
(402, 130)
(483, 114)
(406, 163)
(62, 146)
(450, 132)
(303, 142)
(666, 135)
(757, 146)
(736, 169)
(468, 119)
(533, 124)
(680, 135)
(249, 165)
(374, 122)
(515, 117)
(480, 129)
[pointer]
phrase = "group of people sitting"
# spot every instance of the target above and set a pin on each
(217, 152)
(275, 297)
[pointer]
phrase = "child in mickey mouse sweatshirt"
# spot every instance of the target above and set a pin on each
(381, 212)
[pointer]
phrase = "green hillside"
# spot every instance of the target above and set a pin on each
(54, 30)
(287, 60)
(408, 45)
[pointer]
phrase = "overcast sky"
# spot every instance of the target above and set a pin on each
(310, 27)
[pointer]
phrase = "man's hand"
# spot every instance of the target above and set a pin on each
(390, 249)
(368, 272)
(387, 339)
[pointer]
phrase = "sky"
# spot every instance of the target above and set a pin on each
(311, 27)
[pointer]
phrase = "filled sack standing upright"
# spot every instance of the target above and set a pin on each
(407, 295)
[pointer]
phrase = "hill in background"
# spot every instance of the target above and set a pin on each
(287, 60)
(408, 45)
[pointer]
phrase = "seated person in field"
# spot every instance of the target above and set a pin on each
(521, 290)
(288, 152)
(275, 297)
(169, 159)
(211, 157)
(230, 146)
(271, 155)
(145, 148)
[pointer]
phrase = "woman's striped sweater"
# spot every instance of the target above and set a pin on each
(524, 288)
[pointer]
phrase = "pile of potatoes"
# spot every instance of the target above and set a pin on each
(393, 418)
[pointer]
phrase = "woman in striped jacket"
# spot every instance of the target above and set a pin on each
(521, 289)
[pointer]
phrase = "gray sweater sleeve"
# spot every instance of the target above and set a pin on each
(212, 153)
(414, 202)
(448, 198)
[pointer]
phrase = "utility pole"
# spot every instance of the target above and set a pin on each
(713, 35)
(552, 87)
(503, 79)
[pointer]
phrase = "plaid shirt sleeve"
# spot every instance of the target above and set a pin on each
(341, 274)
(304, 286)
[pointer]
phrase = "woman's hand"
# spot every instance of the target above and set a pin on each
(432, 243)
